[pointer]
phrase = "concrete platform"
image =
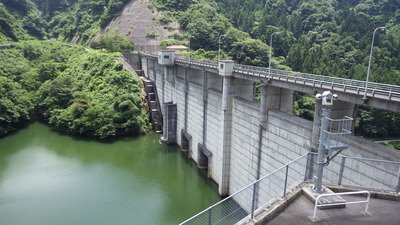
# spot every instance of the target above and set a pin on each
(379, 212)
(296, 208)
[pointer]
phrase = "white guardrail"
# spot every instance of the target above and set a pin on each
(341, 203)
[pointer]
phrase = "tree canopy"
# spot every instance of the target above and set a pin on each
(80, 92)
(68, 20)
(327, 37)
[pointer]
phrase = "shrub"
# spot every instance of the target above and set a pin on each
(152, 34)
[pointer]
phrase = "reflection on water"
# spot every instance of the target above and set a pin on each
(47, 178)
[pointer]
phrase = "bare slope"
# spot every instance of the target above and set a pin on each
(135, 21)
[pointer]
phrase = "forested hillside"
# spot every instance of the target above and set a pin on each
(78, 92)
(68, 20)
(328, 37)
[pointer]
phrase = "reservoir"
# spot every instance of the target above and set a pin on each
(47, 178)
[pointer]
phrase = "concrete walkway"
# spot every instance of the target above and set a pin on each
(384, 212)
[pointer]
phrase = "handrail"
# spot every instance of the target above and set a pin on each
(244, 188)
(222, 210)
(342, 203)
(386, 91)
(348, 85)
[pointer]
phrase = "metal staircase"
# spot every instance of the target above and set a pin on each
(154, 105)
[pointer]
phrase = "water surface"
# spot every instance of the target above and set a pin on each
(48, 178)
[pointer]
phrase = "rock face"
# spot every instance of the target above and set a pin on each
(136, 20)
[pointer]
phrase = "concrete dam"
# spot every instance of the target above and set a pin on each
(209, 110)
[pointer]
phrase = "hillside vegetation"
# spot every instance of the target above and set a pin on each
(328, 37)
(78, 92)
(68, 20)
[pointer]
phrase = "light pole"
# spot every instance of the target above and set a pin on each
(189, 46)
(370, 59)
(270, 54)
(219, 45)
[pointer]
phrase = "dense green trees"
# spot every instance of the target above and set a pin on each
(15, 105)
(328, 37)
(84, 19)
(21, 19)
(79, 92)
(205, 24)
(250, 52)
(113, 42)
(69, 20)
(94, 97)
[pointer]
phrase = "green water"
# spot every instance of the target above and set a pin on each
(48, 178)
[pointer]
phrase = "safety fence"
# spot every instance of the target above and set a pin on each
(248, 202)
(346, 85)
(378, 90)
(359, 172)
(252, 199)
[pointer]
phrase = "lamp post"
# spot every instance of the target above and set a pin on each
(369, 63)
(219, 45)
(189, 47)
(270, 55)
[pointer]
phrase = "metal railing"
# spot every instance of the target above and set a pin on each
(251, 200)
(316, 205)
(385, 91)
(359, 172)
(378, 90)
(204, 63)
(246, 203)
(335, 83)
(337, 132)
